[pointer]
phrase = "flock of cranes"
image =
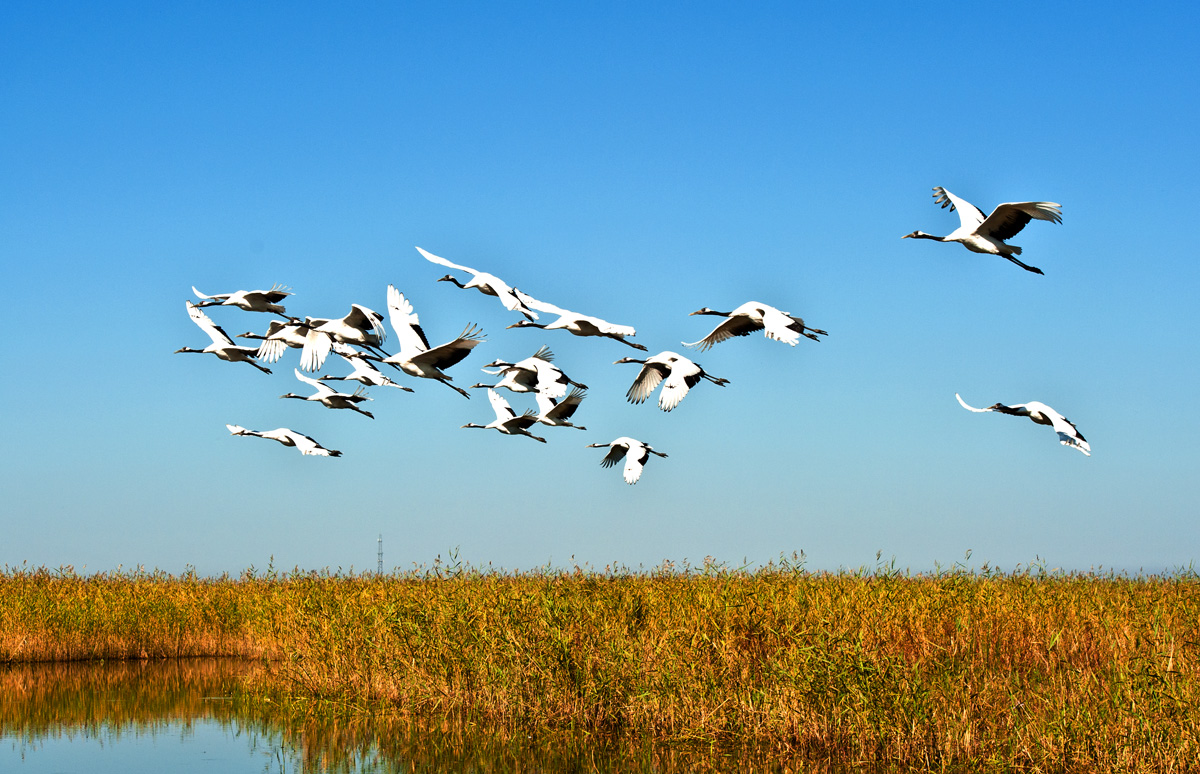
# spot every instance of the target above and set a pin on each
(358, 339)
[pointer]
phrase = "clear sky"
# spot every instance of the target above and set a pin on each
(626, 161)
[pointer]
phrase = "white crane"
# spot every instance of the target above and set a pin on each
(331, 398)
(1068, 434)
(362, 327)
(301, 442)
(755, 316)
(676, 373)
(488, 284)
(573, 322)
(222, 346)
(416, 357)
(558, 413)
(508, 421)
(533, 374)
(634, 451)
(364, 371)
(981, 234)
(249, 300)
(279, 336)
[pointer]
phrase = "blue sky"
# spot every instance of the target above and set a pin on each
(632, 163)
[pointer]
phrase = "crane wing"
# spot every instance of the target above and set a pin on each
(508, 297)
(540, 306)
(406, 323)
(446, 355)
(552, 409)
(271, 350)
(321, 387)
(317, 346)
(522, 422)
(550, 381)
(635, 460)
(214, 331)
(963, 403)
(366, 319)
(726, 329)
(500, 406)
(1068, 434)
(443, 262)
(647, 379)
(969, 216)
(308, 445)
(220, 297)
(778, 326)
(272, 296)
(1008, 219)
(616, 451)
(684, 376)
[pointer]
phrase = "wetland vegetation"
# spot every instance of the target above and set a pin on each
(954, 670)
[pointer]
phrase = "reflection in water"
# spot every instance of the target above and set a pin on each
(193, 707)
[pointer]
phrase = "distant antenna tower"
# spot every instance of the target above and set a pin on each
(379, 556)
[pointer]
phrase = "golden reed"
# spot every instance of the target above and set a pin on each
(977, 670)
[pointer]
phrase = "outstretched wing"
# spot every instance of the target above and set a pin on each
(271, 350)
(321, 387)
(443, 262)
(317, 346)
(366, 319)
(540, 306)
(963, 403)
(1008, 219)
(615, 452)
(446, 355)
(214, 331)
(218, 298)
(406, 323)
(1068, 434)
(308, 445)
(684, 376)
(276, 294)
(500, 406)
(522, 422)
(969, 216)
(635, 460)
(726, 329)
(551, 409)
(647, 379)
(550, 380)
(778, 326)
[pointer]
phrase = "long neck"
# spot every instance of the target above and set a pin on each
(923, 235)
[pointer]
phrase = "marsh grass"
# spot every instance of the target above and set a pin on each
(1030, 670)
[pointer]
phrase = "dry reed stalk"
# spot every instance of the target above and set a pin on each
(1033, 670)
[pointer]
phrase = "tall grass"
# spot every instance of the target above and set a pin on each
(1032, 669)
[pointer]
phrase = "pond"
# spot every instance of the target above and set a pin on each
(188, 716)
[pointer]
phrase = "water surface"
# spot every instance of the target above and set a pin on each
(189, 716)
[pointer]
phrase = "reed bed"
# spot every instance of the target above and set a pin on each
(1029, 670)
